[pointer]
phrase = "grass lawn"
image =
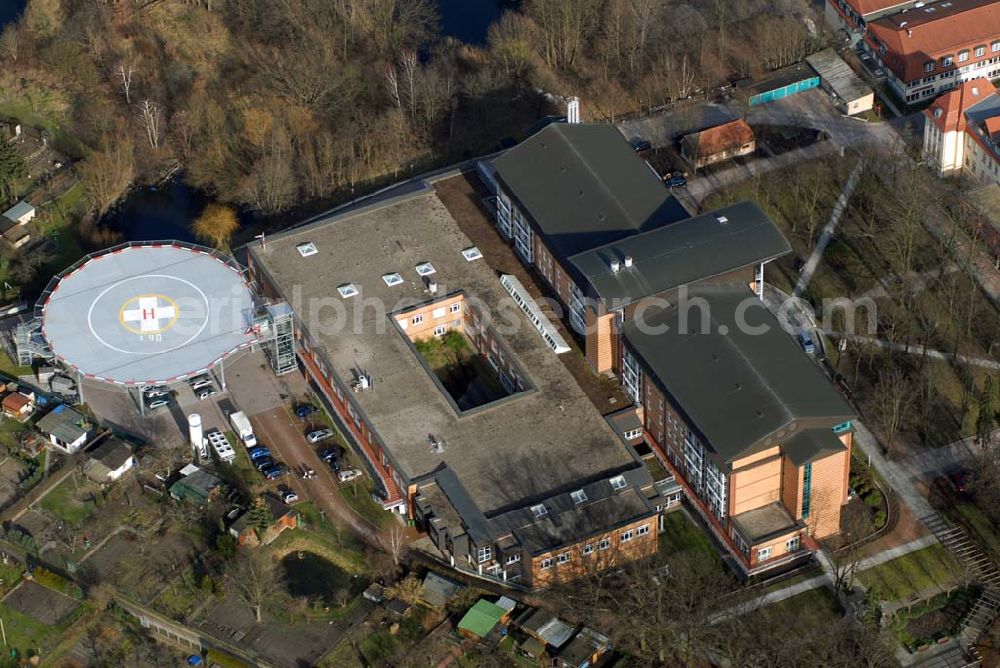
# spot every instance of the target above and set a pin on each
(904, 576)
(656, 469)
(358, 495)
(680, 534)
(812, 610)
(9, 430)
(71, 500)
(27, 633)
(981, 525)
(8, 367)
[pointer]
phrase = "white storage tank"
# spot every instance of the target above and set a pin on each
(196, 435)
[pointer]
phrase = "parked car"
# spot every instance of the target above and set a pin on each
(263, 463)
(206, 393)
(154, 392)
(334, 464)
(960, 479)
(319, 435)
(157, 403)
(805, 340)
(275, 471)
(349, 475)
(330, 453)
(258, 452)
(306, 472)
(288, 495)
(675, 180)
(304, 410)
(200, 382)
(640, 145)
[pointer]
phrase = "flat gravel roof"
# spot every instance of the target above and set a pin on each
(144, 314)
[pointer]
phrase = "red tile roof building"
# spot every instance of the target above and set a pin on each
(854, 15)
(933, 48)
(719, 143)
(962, 132)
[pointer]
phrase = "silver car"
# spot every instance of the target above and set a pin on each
(319, 435)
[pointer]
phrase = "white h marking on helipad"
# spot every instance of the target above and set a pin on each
(149, 314)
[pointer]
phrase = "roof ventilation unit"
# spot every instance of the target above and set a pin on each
(573, 110)
(628, 261)
(721, 219)
(362, 382)
(437, 445)
(616, 266)
(432, 286)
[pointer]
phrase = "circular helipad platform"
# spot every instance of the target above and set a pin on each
(142, 314)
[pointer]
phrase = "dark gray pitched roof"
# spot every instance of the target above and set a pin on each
(584, 186)
(683, 252)
(736, 387)
(112, 453)
(809, 445)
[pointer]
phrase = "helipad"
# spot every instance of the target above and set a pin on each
(142, 314)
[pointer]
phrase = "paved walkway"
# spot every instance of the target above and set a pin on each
(702, 186)
(826, 579)
(918, 350)
(828, 230)
(932, 462)
(895, 473)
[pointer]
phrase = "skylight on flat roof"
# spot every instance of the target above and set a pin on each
(306, 249)
(425, 269)
(392, 279)
(347, 290)
(471, 253)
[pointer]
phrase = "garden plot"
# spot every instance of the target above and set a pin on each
(40, 603)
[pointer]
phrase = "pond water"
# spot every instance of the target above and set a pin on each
(10, 10)
(162, 212)
(469, 20)
(310, 575)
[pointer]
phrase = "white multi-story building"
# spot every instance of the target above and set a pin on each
(962, 132)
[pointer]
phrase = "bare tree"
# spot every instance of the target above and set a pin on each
(256, 578)
(151, 120)
(397, 544)
(126, 77)
(892, 404)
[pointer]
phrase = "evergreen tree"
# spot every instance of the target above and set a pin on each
(11, 168)
(260, 516)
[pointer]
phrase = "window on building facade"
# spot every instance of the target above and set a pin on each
(643, 530)
(604, 544)
(947, 61)
(539, 511)
(440, 330)
(627, 535)
(513, 558)
(980, 51)
(618, 482)
(485, 553)
(455, 308)
(994, 47)
(587, 549)
(792, 544)
(929, 66)
(963, 56)
(763, 554)
(564, 558)
(579, 496)
(546, 563)
(417, 319)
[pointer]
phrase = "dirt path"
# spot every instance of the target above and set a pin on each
(283, 434)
